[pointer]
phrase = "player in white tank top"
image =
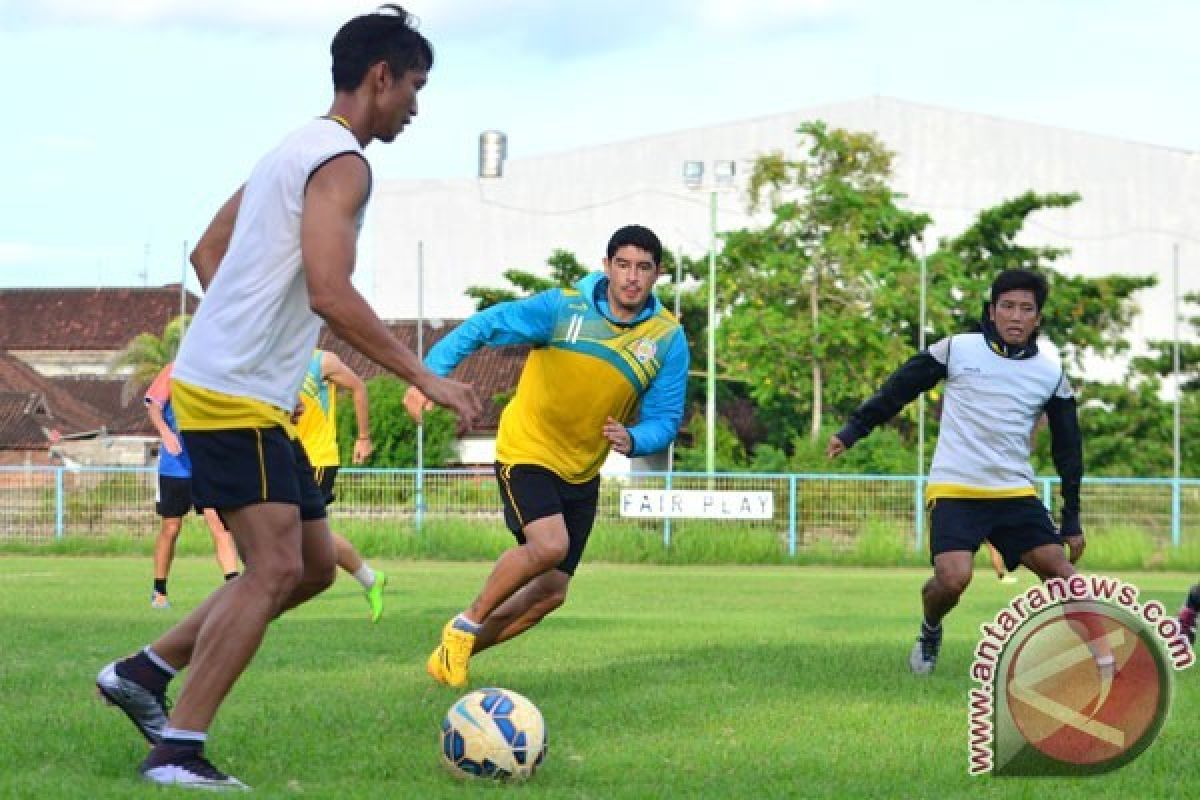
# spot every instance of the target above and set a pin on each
(997, 385)
(275, 260)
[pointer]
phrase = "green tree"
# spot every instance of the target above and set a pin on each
(1161, 361)
(146, 355)
(794, 294)
(565, 270)
(393, 432)
(1084, 316)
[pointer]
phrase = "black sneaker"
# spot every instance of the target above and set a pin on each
(187, 769)
(146, 709)
(924, 655)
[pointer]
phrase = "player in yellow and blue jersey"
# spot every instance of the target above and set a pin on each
(606, 353)
(316, 425)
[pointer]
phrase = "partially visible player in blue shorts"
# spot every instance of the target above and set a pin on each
(173, 500)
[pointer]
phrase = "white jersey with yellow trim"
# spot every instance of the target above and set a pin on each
(991, 405)
(253, 335)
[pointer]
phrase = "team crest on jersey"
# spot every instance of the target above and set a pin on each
(644, 350)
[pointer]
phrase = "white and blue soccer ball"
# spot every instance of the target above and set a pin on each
(494, 734)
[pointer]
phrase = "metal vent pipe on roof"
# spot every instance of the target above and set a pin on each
(493, 149)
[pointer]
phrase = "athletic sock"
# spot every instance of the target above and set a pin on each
(146, 669)
(930, 631)
(176, 745)
(230, 575)
(365, 576)
(160, 585)
(463, 624)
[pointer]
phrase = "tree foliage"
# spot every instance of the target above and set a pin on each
(565, 270)
(837, 249)
(147, 354)
(393, 432)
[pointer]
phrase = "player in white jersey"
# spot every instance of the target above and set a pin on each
(981, 484)
(275, 261)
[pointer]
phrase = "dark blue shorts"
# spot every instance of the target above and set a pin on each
(232, 469)
(531, 492)
(174, 497)
(1014, 526)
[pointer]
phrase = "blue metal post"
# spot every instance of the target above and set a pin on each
(667, 519)
(791, 515)
(58, 503)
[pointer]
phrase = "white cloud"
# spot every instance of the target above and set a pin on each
(552, 27)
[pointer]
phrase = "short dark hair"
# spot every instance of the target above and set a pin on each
(388, 34)
(638, 236)
(1011, 279)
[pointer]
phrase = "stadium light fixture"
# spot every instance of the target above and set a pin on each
(723, 177)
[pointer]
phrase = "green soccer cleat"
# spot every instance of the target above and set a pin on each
(375, 595)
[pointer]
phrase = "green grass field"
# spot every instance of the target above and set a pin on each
(655, 681)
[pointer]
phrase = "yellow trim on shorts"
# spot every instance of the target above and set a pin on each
(504, 480)
(200, 409)
(961, 491)
(262, 464)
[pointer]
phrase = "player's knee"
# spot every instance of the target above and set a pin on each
(549, 552)
(281, 575)
(954, 581)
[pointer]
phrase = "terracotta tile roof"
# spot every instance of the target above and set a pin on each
(21, 419)
(64, 412)
(494, 370)
(85, 319)
(106, 396)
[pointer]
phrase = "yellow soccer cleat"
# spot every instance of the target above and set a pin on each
(436, 666)
(452, 656)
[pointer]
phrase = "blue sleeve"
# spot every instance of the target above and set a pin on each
(662, 404)
(527, 321)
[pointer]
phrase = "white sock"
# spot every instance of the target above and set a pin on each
(365, 576)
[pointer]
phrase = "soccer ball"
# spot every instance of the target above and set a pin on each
(493, 733)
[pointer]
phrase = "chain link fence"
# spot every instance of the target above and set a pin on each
(47, 503)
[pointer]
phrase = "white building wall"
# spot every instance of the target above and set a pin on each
(1137, 201)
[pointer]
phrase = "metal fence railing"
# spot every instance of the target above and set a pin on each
(45, 503)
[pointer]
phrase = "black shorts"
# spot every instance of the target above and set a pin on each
(232, 469)
(325, 476)
(1014, 526)
(530, 493)
(173, 500)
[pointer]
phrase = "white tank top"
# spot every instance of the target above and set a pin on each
(254, 332)
(990, 408)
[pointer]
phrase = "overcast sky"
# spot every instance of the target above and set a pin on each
(129, 121)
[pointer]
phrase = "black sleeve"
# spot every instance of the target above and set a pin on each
(919, 374)
(1067, 448)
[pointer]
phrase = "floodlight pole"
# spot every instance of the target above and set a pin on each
(710, 406)
(420, 477)
(1177, 465)
(919, 515)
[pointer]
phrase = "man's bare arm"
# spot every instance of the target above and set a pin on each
(209, 251)
(334, 370)
(329, 233)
